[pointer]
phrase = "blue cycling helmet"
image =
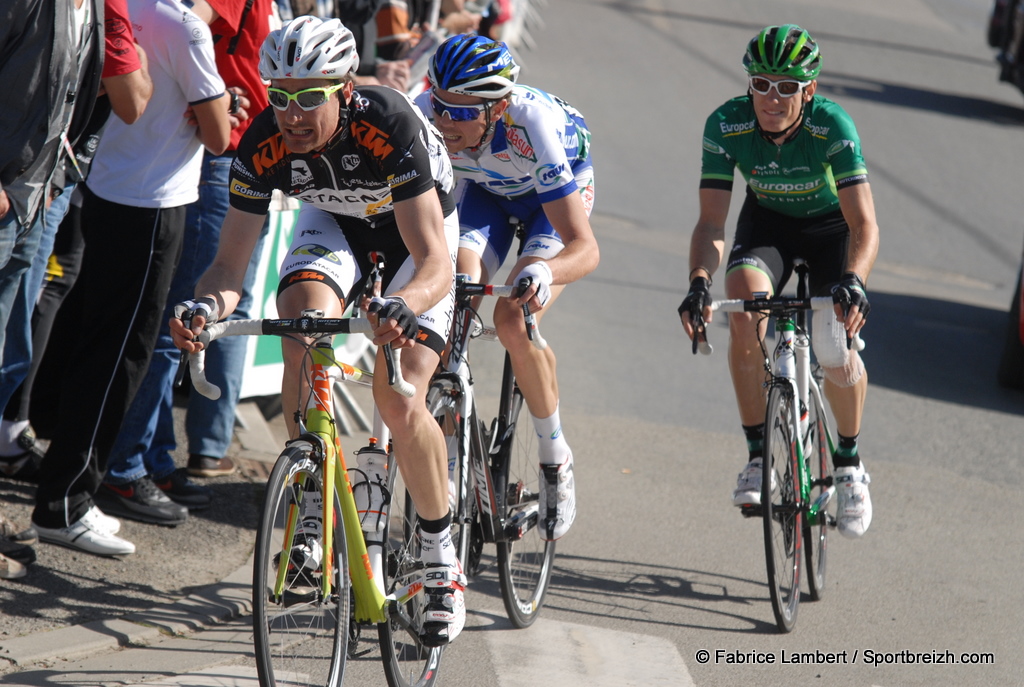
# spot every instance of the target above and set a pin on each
(473, 65)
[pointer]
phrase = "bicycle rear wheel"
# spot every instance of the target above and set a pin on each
(780, 489)
(525, 560)
(299, 633)
(819, 462)
(407, 663)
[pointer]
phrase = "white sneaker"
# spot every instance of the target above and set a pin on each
(748, 484)
(445, 613)
(557, 500)
(89, 533)
(110, 524)
(854, 509)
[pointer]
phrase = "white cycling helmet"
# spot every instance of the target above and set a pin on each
(309, 48)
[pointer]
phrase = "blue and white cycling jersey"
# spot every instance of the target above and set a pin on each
(537, 146)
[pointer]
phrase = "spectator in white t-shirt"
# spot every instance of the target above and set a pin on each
(133, 217)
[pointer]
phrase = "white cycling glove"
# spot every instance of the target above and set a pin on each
(207, 307)
(539, 274)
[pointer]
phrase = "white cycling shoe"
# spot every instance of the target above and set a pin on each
(854, 510)
(556, 500)
(748, 484)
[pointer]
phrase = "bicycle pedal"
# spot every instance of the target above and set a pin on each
(290, 597)
(751, 511)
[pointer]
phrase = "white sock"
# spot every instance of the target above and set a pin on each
(551, 444)
(437, 548)
(10, 430)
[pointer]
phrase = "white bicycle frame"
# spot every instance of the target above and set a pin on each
(791, 364)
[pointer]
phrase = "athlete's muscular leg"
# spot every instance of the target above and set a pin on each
(746, 360)
(534, 368)
(847, 403)
(418, 440)
(290, 303)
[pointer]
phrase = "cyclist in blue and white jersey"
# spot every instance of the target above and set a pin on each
(517, 151)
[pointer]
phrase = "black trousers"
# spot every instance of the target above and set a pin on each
(100, 348)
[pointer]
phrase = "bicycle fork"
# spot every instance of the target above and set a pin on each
(793, 367)
(793, 364)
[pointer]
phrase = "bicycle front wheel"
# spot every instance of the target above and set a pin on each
(407, 663)
(525, 560)
(299, 631)
(780, 507)
(816, 452)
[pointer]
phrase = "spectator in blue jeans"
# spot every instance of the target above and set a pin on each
(147, 440)
(142, 455)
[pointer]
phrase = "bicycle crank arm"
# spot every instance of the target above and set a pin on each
(402, 595)
(521, 523)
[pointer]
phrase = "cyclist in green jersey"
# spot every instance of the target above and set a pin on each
(807, 197)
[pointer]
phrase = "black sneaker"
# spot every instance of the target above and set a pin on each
(11, 532)
(23, 467)
(184, 491)
(207, 466)
(140, 500)
(25, 555)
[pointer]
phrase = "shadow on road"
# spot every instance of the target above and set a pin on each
(937, 349)
(661, 595)
(834, 85)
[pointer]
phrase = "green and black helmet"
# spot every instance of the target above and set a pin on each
(785, 50)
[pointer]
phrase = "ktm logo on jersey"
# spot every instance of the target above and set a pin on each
(421, 336)
(269, 153)
(372, 138)
(305, 276)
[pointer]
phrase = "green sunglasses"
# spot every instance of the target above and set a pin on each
(308, 99)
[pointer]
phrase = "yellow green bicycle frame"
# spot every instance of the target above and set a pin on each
(371, 604)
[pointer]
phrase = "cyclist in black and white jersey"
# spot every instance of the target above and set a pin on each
(373, 175)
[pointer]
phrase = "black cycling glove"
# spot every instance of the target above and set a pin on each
(697, 299)
(849, 292)
(394, 308)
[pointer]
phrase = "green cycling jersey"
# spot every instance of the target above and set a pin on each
(799, 178)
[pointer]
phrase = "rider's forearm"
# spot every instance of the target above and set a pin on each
(222, 287)
(432, 281)
(863, 250)
(858, 209)
(707, 246)
(576, 260)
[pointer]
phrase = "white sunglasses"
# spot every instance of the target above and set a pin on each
(786, 88)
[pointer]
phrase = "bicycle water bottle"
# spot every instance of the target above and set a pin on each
(784, 356)
(370, 487)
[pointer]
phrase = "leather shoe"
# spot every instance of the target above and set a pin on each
(207, 466)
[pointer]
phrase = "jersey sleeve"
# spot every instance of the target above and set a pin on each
(404, 149)
(843, 150)
(543, 132)
(717, 165)
(260, 148)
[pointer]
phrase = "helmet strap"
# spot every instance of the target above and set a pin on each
(489, 131)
